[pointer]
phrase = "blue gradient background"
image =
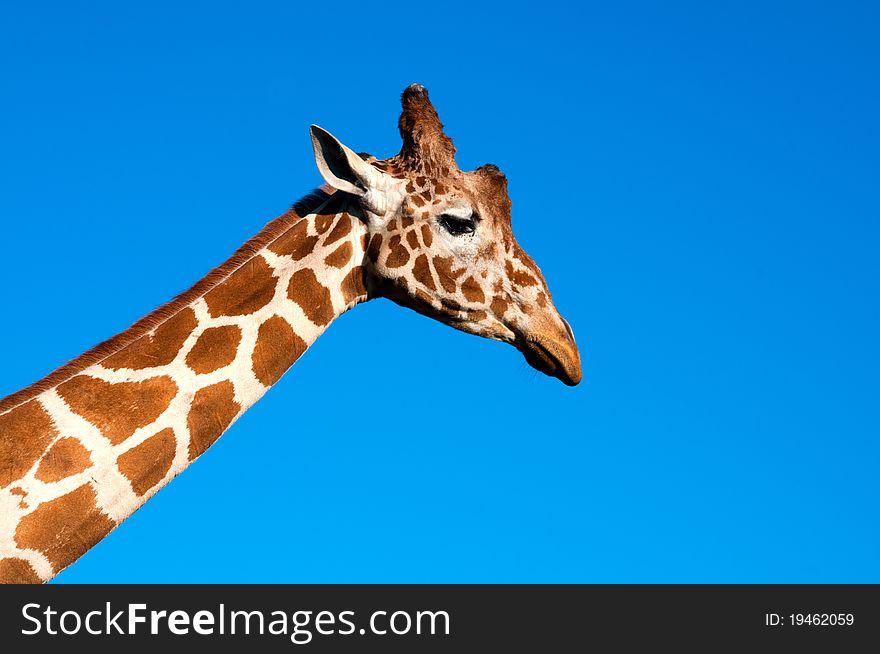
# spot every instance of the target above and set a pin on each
(699, 185)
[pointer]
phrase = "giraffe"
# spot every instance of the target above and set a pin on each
(86, 446)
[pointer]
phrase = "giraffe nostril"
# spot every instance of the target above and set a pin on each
(568, 329)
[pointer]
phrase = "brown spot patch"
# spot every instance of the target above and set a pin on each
(526, 260)
(479, 316)
(422, 272)
(247, 290)
(398, 255)
(157, 349)
(391, 226)
(146, 464)
(215, 348)
(212, 411)
(323, 222)
(473, 292)
(342, 228)
(417, 200)
(542, 299)
(278, 347)
(25, 432)
(340, 256)
(311, 296)
(421, 181)
(439, 189)
(65, 528)
(354, 285)
(17, 571)
(499, 306)
(375, 247)
(413, 239)
(66, 457)
(517, 276)
(407, 221)
(446, 273)
(118, 409)
(427, 235)
(295, 242)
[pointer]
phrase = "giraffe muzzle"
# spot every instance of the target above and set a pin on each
(556, 355)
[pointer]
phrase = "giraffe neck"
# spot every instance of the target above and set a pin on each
(81, 450)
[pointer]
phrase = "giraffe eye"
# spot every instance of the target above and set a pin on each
(457, 226)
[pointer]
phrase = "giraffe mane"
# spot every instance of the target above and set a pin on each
(313, 200)
(271, 231)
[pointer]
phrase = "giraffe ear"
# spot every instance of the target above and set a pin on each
(340, 167)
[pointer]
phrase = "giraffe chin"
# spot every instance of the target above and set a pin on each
(555, 359)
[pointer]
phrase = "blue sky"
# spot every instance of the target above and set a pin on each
(699, 185)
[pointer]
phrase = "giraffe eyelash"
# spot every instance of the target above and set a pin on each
(458, 226)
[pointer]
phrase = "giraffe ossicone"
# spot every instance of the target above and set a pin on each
(83, 448)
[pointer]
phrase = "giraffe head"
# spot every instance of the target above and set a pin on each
(440, 240)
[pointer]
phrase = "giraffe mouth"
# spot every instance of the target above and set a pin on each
(554, 358)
